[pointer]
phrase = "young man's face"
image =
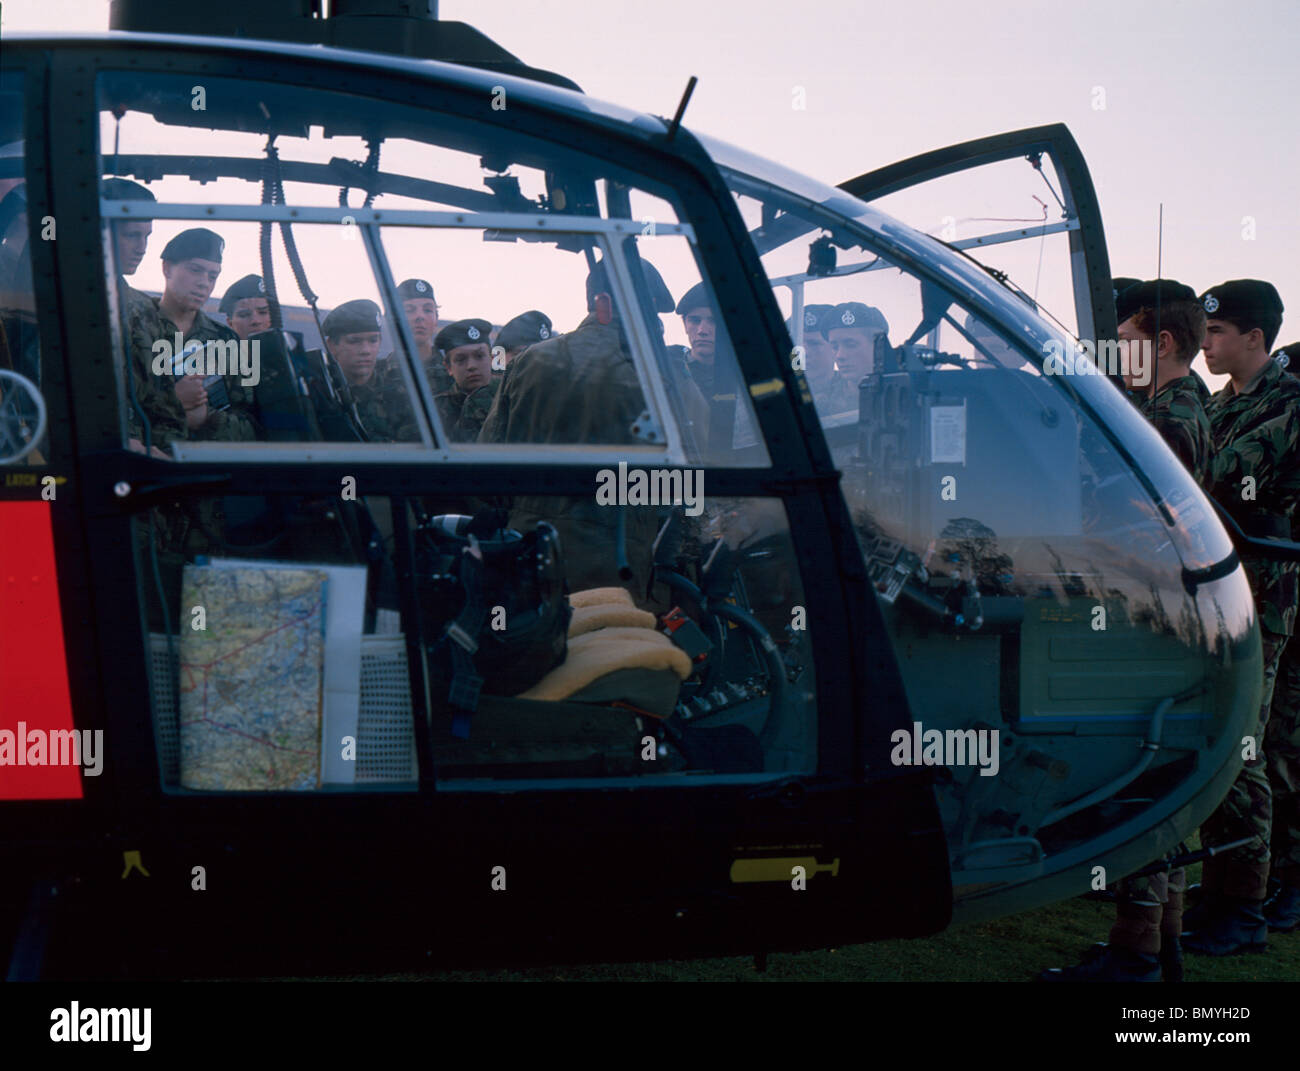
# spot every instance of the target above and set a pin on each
(1227, 350)
(701, 332)
(470, 366)
(1130, 347)
(130, 242)
(855, 349)
(422, 315)
(356, 354)
(249, 316)
(189, 283)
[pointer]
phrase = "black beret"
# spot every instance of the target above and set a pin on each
(1289, 357)
(524, 330)
(1118, 286)
(195, 242)
(413, 289)
(352, 317)
(1242, 299)
(812, 316)
(598, 283)
(697, 297)
(248, 286)
(120, 189)
(1150, 294)
(853, 314)
(462, 333)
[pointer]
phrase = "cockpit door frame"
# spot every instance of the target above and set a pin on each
(1094, 299)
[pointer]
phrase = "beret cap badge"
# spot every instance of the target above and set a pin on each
(848, 318)
(1211, 303)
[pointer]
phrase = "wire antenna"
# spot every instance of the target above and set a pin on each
(1160, 248)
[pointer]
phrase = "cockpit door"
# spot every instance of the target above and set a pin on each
(1023, 205)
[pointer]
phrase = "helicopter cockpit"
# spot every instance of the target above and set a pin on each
(665, 607)
(1022, 526)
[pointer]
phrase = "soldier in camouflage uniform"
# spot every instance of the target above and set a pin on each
(581, 387)
(859, 335)
(1282, 755)
(467, 357)
(353, 333)
(1255, 475)
(832, 391)
(191, 265)
(421, 309)
(700, 319)
(1144, 941)
(130, 243)
(1170, 398)
(246, 307)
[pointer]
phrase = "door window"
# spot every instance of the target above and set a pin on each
(435, 289)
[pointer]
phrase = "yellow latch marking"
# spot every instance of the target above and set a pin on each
(780, 869)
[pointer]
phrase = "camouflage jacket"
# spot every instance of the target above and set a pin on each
(235, 424)
(1176, 412)
(384, 408)
(154, 394)
(703, 374)
(463, 414)
(580, 387)
(1255, 474)
(834, 394)
(440, 379)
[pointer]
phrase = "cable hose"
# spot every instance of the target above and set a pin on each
(269, 169)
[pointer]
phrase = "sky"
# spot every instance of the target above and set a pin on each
(1191, 104)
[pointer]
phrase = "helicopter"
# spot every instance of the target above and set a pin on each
(925, 657)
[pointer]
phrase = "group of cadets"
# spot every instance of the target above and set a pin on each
(457, 360)
(841, 344)
(1242, 445)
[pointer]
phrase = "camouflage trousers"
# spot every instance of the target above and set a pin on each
(1149, 908)
(1247, 809)
(1282, 755)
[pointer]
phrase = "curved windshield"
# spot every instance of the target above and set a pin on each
(829, 255)
(1023, 527)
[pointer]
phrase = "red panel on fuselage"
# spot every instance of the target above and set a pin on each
(33, 669)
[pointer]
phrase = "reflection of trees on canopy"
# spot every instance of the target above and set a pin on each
(1072, 584)
(1153, 613)
(1191, 629)
(976, 546)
